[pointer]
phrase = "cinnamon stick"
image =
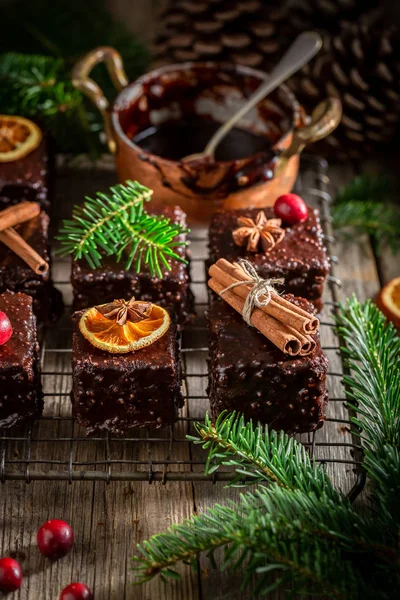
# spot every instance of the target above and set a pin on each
(307, 342)
(278, 333)
(13, 215)
(278, 307)
(18, 245)
(311, 322)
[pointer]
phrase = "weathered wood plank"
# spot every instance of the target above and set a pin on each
(388, 264)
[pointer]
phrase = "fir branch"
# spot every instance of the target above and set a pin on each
(372, 350)
(116, 225)
(300, 538)
(295, 528)
(373, 388)
(39, 84)
(366, 205)
(38, 87)
(52, 36)
(260, 455)
(259, 545)
(369, 187)
(30, 70)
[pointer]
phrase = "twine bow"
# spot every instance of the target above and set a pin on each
(259, 287)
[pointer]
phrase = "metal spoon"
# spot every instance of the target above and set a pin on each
(303, 49)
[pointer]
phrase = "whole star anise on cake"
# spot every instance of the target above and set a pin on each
(121, 311)
(261, 234)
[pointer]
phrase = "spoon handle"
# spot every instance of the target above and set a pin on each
(303, 49)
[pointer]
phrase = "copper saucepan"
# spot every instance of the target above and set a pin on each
(209, 90)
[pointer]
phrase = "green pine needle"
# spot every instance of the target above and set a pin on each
(373, 354)
(367, 205)
(40, 88)
(30, 70)
(116, 224)
(38, 84)
(295, 532)
(259, 455)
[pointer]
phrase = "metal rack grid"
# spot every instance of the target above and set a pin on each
(55, 448)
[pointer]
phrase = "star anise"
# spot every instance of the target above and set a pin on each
(121, 311)
(261, 234)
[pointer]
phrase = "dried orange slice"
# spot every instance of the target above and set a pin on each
(107, 334)
(388, 301)
(18, 137)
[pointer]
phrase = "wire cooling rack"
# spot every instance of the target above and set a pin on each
(55, 448)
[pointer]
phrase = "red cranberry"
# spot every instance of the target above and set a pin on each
(55, 539)
(76, 591)
(291, 209)
(5, 328)
(10, 574)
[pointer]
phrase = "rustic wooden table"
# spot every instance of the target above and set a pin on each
(109, 520)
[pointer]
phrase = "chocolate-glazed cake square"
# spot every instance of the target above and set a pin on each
(20, 387)
(117, 392)
(248, 374)
(17, 276)
(111, 281)
(28, 178)
(300, 258)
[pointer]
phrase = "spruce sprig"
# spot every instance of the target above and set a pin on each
(259, 455)
(117, 224)
(373, 355)
(295, 529)
(37, 84)
(271, 532)
(367, 205)
(35, 66)
(30, 70)
(40, 88)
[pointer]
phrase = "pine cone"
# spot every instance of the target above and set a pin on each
(328, 15)
(248, 32)
(361, 66)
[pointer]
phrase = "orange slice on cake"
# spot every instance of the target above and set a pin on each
(18, 137)
(122, 327)
(388, 301)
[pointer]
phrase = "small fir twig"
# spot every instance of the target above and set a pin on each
(367, 205)
(295, 529)
(373, 355)
(259, 455)
(40, 88)
(117, 224)
(35, 66)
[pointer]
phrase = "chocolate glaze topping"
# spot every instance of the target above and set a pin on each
(28, 178)
(249, 374)
(17, 276)
(300, 258)
(116, 392)
(20, 387)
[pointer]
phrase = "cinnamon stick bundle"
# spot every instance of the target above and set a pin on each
(14, 215)
(276, 332)
(287, 326)
(278, 307)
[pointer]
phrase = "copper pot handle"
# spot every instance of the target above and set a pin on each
(82, 81)
(324, 119)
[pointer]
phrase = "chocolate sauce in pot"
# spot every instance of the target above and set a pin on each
(164, 121)
(176, 139)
